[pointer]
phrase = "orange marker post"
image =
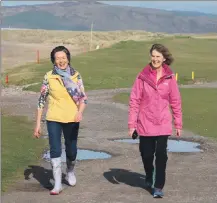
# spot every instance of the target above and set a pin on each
(6, 79)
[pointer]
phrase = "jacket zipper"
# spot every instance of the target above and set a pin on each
(161, 79)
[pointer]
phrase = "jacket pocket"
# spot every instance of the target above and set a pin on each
(147, 114)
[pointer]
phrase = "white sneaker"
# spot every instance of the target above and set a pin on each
(70, 172)
(57, 175)
(71, 178)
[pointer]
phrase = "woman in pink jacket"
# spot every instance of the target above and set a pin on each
(154, 91)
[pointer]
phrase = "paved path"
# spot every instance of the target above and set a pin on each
(191, 178)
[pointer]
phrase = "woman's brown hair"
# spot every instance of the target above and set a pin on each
(164, 51)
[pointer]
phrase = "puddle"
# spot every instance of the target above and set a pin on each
(173, 145)
(83, 154)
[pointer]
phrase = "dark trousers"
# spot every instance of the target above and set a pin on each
(70, 132)
(150, 146)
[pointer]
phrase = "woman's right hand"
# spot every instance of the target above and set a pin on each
(130, 131)
(37, 131)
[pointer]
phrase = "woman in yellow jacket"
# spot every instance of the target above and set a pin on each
(64, 90)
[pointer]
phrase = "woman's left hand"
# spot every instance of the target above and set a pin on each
(178, 132)
(78, 117)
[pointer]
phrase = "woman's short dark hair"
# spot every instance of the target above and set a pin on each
(164, 51)
(57, 49)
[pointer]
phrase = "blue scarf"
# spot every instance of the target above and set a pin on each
(71, 87)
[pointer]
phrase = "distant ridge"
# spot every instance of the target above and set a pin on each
(80, 15)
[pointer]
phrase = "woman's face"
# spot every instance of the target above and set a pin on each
(61, 60)
(157, 59)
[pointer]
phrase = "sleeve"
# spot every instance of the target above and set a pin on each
(134, 103)
(175, 103)
(83, 98)
(43, 93)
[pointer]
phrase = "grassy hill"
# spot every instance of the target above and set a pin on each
(40, 19)
(117, 66)
(80, 15)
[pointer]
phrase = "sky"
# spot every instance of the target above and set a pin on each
(200, 6)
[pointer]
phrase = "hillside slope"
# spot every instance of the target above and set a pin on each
(80, 15)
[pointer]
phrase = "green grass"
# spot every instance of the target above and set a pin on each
(19, 148)
(199, 110)
(117, 66)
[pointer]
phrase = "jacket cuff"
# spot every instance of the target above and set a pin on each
(178, 127)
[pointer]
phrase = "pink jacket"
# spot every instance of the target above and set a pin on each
(150, 101)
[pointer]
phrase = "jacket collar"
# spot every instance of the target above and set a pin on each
(147, 71)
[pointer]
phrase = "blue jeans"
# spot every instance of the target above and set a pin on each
(70, 132)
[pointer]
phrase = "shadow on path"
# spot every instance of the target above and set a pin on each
(117, 176)
(42, 175)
